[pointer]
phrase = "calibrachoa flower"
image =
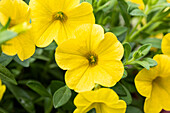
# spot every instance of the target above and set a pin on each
(103, 100)
(140, 2)
(2, 90)
(154, 84)
(19, 12)
(92, 58)
(165, 44)
(57, 19)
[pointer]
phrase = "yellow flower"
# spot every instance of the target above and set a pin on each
(19, 12)
(92, 58)
(154, 84)
(57, 19)
(103, 100)
(165, 44)
(168, 1)
(2, 90)
(140, 2)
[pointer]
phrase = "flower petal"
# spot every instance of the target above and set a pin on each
(163, 65)
(70, 54)
(9, 48)
(162, 89)
(165, 44)
(143, 81)
(108, 73)
(80, 79)
(47, 34)
(2, 91)
(152, 104)
(25, 46)
(91, 34)
(110, 48)
(17, 10)
(82, 14)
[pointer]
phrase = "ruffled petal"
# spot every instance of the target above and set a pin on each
(70, 55)
(80, 79)
(165, 44)
(9, 47)
(110, 48)
(108, 73)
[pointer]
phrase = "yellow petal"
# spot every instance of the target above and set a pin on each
(17, 10)
(108, 73)
(163, 65)
(103, 108)
(65, 32)
(47, 34)
(165, 44)
(91, 35)
(70, 54)
(82, 14)
(143, 81)
(97, 99)
(110, 48)
(9, 47)
(162, 89)
(152, 103)
(25, 46)
(2, 90)
(80, 79)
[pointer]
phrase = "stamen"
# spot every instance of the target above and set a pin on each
(92, 58)
(60, 16)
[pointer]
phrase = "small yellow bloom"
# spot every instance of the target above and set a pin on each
(166, 44)
(92, 58)
(140, 2)
(103, 100)
(19, 12)
(168, 1)
(57, 19)
(154, 84)
(2, 90)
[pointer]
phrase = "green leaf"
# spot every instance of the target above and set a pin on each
(119, 89)
(125, 74)
(55, 85)
(154, 41)
(6, 35)
(5, 59)
(151, 62)
(123, 9)
(128, 97)
(144, 64)
(127, 50)
(137, 12)
(48, 105)
(38, 87)
(24, 63)
(142, 51)
(132, 109)
(119, 30)
(6, 75)
(22, 97)
(61, 96)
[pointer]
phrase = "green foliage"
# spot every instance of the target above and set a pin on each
(61, 96)
(37, 85)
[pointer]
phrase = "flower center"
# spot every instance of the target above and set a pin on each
(60, 16)
(93, 59)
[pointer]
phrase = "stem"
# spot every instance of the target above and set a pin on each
(137, 33)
